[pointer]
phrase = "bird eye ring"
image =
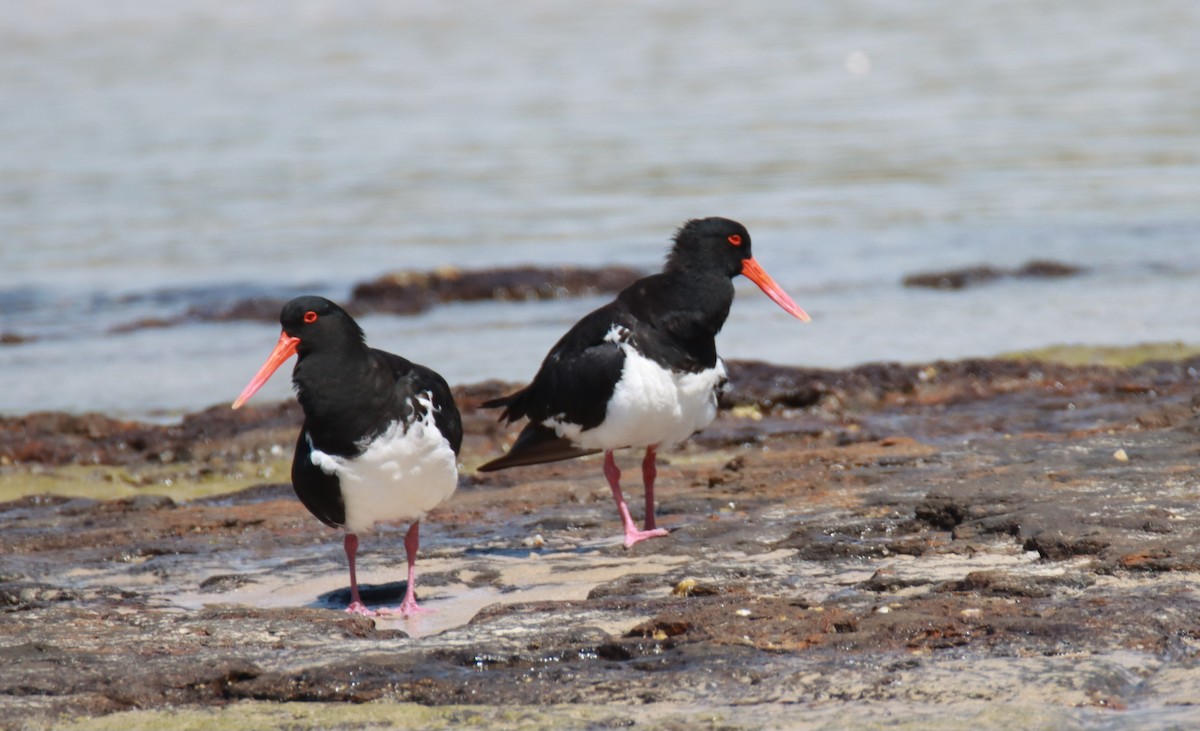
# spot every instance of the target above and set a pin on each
(735, 239)
(310, 317)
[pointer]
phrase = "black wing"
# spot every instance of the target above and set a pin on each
(577, 378)
(410, 381)
(536, 444)
(319, 491)
(574, 385)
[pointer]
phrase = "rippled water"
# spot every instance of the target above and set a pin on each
(156, 156)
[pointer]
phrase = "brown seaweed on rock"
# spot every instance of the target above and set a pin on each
(412, 292)
(982, 274)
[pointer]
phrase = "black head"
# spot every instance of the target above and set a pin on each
(310, 325)
(320, 325)
(710, 245)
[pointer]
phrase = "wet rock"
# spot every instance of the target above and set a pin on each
(1008, 584)
(412, 292)
(660, 629)
(226, 582)
(1058, 544)
(19, 595)
(1049, 269)
(631, 584)
(885, 581)
(976, 275)
(94, 439)
(954, 278)
(692, 587)
(913, 536)
(11, 338)
(251, 495)
(409, 292)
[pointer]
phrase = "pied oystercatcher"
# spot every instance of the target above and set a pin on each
(381, 434)
(641, 371)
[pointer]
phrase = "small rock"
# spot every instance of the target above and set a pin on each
(1120, 455)
(691, 587)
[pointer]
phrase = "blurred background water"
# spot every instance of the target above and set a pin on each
(155, 156)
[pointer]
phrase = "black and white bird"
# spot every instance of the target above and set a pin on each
(380, 437)
(642, 371)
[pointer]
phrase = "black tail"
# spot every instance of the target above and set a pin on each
(496, 402)
(511, 403)
(537, 444)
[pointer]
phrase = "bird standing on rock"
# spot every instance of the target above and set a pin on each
(380, 438)
(641, 371)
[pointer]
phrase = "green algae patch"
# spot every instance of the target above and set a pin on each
(653, 717)
(114, 482)
(262, 715)
(1105, 355)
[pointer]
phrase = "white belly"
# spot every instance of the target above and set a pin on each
(651, 405)
(401, 476)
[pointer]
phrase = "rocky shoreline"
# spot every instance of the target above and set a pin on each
(408, 292)
(985, 543)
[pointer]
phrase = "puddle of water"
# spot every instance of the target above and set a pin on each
(533, 577)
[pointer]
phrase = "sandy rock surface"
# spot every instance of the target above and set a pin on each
(976, 544)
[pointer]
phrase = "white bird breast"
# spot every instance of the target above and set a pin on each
(402, 475)
(650, 405)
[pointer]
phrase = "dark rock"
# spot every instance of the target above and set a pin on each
(1007, 584)
(1049, 269)
(412, 292)
(19, 595)
(10, 338)
(972, 276)
(226, 582)
(1059, 544)
(954, 278)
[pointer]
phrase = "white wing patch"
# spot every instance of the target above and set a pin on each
(402, 475)
(617, 334)
(650, 405)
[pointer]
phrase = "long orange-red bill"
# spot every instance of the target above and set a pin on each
(284, 349)
(755, 273)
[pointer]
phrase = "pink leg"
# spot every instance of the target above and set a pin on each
(632, 534)
(649, 472)
(408, 607)
(356, 606)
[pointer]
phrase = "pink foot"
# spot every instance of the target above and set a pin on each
(613, 473)
(636, 536)
(406, 609)
(360, 609)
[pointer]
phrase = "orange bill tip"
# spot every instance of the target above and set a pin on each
(284, 349)
(755, 273)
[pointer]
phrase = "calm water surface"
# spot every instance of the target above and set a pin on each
(154, 156)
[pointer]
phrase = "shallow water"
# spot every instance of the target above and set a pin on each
(154, 158)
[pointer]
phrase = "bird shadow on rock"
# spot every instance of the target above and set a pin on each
(373, 595)
(523, 552)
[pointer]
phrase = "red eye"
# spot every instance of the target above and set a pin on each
(310, 317)
(735, 239)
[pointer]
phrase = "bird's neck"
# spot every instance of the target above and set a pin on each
(342, 393)
(698, 301)
(689, 308)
